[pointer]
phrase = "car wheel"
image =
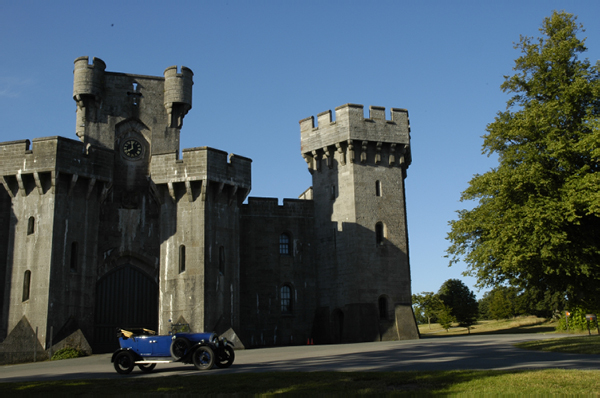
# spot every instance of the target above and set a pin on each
(124, 362)
(203, 358)
(225, 357)
(146, 367)
(178, 347)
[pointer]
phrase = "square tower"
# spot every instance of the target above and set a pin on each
(358, 166)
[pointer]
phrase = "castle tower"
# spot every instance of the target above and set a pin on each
(358, 166)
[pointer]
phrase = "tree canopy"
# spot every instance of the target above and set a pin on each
(536, 224)
(426, 306)
(460, 301)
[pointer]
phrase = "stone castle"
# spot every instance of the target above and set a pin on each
(121, 229)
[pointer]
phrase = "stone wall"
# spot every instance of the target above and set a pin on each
(264, 271)
(5, 216)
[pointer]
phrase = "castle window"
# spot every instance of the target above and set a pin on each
(222, 260)
(31, 225)
(181, 259)
(377, 188)
(74, 250)
(383, 308)
(379, 233)
(332, 192)
(134, 94)
(26, 285)
(286, 299)
(284, 244)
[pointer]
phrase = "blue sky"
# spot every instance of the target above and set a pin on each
(261, 66)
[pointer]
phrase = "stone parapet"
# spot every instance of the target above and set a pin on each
(269, 207)
(200, 169)
(55, 154)
(49, 157)
(201, 163)
(350, 124)
(353, 138)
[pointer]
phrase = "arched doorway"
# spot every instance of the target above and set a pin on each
(125, 297)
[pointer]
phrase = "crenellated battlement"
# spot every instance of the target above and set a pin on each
(41, 161)
(350, 123)
(203, 165)
(353, 138)
(55, 153)
(269, 207)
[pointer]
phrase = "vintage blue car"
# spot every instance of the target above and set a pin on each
(142, 347)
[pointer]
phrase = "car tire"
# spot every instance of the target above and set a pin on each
(203, 358)
(225, 357)
(179, 346)
(124, 362)
(146, 367)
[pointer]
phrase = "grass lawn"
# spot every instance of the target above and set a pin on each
(577, 345)
(522, 324)
(538, 382)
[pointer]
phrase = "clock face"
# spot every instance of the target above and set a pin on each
(132, 149)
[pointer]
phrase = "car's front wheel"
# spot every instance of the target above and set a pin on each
(225, 357)
(203, 358)
(179, 346)
(124, 362)
(146, 367)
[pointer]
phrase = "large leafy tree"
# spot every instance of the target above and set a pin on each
(537, 221)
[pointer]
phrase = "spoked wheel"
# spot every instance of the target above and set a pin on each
(203, 358)
(146, 367)
(124, 363)
(225, 357)
(178, 347)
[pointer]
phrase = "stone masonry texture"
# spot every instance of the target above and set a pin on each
(120, 228)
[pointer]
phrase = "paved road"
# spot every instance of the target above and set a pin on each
(463, 352)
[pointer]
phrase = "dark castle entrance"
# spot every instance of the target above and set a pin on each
(126, 297)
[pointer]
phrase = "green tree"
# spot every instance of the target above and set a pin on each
(505, 303)
(455, 295)
(537, 220)
(426, 305)
(484, 305)
(444, 316)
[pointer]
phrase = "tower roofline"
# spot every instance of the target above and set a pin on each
(350, 124)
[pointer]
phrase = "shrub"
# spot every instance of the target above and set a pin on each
(577, 320)
(67, 353)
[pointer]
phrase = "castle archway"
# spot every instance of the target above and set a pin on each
(126, 297)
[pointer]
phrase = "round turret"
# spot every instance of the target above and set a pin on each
(88, 79)
(178, 86)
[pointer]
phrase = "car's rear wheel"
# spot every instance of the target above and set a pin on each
(203, 358)
(146, 367)
(178, 347)
(225, 357)
(124, 362)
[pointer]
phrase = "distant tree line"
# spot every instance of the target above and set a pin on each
(456, 303)
(453, 303)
